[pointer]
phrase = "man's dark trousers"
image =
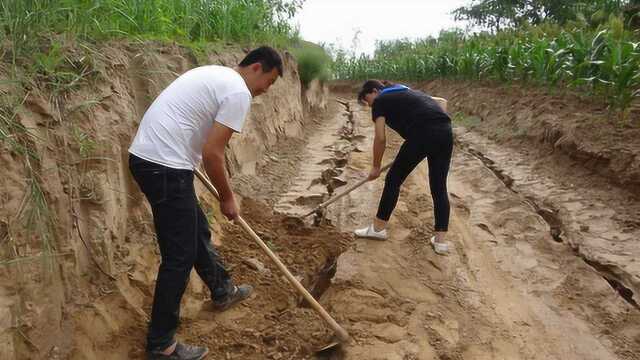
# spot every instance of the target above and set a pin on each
(184, 240)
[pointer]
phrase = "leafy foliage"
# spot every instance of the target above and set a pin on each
(603, 62)
(313, 62)
(500, 14)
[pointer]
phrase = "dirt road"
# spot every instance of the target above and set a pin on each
(509, 290)
(529, 275)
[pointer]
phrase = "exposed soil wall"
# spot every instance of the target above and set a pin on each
(78, 256)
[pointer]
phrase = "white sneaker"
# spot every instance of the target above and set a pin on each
(370, 233)
(438, 247)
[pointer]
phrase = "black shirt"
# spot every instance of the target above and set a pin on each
(409, 112)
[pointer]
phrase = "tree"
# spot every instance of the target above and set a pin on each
(498, 14)
(491, 14)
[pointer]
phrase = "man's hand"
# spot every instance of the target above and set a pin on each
(230, 209)
(374, 174)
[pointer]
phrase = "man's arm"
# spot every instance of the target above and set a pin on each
(379, 146)
(214, 164)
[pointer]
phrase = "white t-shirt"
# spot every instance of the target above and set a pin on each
(175, 127)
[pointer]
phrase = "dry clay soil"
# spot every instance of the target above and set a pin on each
(509, 289)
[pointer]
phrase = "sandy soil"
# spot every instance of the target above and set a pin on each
(544, 242)
(510, 290)
(78, 258)
(274, 322)
(514, 286)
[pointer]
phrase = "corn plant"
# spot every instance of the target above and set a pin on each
(604, 62)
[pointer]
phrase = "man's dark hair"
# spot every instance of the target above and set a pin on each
(268, 57)
(369, 86)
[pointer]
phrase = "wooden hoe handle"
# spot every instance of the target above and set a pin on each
(348, 190)
(340, 332)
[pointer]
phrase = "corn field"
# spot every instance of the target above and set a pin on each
(603, 62)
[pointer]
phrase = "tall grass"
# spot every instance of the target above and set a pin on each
(604, 62)
(192, 20)
(15, 135)
(35, 214)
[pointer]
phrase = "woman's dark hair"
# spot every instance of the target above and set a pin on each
(267, 57)
(370, 85)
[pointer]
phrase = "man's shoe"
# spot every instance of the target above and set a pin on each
(234, 296)
(182, 352)
(371, 233)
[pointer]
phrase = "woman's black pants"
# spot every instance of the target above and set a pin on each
(436, 145)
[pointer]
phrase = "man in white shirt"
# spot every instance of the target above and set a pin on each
(192, 120)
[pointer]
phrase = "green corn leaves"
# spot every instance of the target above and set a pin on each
(604, 62)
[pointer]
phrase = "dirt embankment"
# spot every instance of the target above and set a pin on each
(77, 251)
(585, 132)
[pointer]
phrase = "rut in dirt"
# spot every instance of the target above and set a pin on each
(552, 217)
(323, 162)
